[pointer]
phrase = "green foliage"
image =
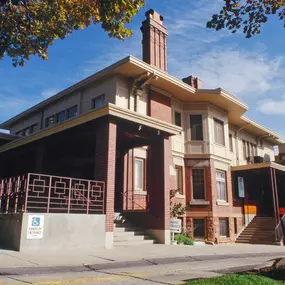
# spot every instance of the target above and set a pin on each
(182, 239)
(235, 279)
(176, 209)
(246, 15)
(29, 27)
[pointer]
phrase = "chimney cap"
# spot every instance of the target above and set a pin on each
(151, 14)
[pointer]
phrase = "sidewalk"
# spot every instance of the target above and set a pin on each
(45, 259)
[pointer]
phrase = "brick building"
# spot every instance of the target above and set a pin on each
(142, 132)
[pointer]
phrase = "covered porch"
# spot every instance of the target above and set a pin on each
(258, 189)
(99, 146)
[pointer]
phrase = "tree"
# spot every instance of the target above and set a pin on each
(247, 15)
(29, 27)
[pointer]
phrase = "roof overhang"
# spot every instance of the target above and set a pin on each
(258, 130)
(6, 138)
(111, 110)
(253, 166)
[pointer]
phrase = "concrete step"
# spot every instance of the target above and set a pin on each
(133, 243)
(127, 229)
(131, 238)
(128, 233)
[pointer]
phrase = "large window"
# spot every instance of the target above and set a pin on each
(219, 132)
(199, 228)
(98, 102)
(196, 126)
(177, 119)
(198, 183)
(224, 227)
(72, 112)
(139, 174)
(179, 179)
(221, 185)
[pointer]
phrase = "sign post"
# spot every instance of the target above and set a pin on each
(35, 228)
(175, 227)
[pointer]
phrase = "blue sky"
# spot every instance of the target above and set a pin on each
(252, 69)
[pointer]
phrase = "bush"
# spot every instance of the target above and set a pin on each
(182, 239)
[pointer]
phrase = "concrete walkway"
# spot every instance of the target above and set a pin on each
(124, 255)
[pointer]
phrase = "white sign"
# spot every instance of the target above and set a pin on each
(35, 227)
(240, 187)
(175, 225)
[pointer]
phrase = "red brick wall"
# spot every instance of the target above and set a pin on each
(160, 107)
(105, 166)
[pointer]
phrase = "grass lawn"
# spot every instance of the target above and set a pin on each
(235, 279)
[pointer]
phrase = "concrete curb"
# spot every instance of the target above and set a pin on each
(127, 264)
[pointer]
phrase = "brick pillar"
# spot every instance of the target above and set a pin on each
(161, 157)
(105, 168)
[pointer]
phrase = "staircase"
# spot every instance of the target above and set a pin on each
(127, 234)
(261, 230)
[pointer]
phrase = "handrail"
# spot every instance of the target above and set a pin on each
(132, 192)
(280, 229)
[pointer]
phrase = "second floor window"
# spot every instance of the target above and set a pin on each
(196, 126)
(177, 119)
(72, 112)
(219, 132)
(50, 121)
(60, 117)
(198, 183)
(98, 102)
(33, 128)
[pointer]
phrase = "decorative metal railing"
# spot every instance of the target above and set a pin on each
(280, 230)
(39, 193)
(135, 201)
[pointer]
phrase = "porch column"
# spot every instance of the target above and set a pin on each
(105, 167)
(161, 159)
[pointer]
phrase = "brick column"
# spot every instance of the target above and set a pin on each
(161, 159)
(105, 168)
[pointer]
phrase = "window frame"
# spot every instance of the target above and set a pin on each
(47, 119)
(192, 184)
(32, 128)
(221, 123)
(137, 189)
(95, 99)
(224, 180)
(191, 127)
(68, 117)
(64, 112)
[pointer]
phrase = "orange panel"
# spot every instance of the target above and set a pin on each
(250, 209)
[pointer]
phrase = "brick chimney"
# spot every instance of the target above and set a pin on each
(154, 40)
(193, 81)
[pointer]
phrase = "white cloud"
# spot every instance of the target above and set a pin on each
(49, 92)
(272, 106)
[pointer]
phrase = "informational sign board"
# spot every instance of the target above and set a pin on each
(240, 187)
(175, 226)
(35, 227)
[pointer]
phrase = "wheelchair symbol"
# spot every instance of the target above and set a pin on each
(36, 222)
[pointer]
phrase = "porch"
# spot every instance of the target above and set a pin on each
(99, 149)
(258, 190)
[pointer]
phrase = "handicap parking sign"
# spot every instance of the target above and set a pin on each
(35, 227)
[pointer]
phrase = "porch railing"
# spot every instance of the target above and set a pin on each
(280, 229)
(135, 201)
(39, 193)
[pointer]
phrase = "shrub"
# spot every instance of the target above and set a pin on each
(182, 239)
